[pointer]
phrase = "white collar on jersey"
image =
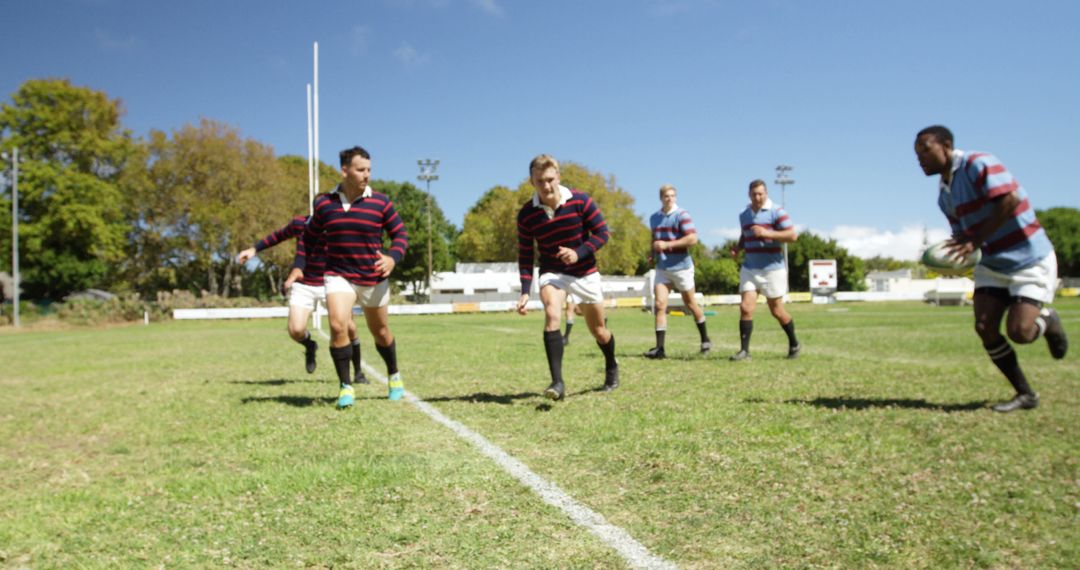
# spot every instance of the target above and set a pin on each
(564, 195)
(769, 205)
(957, 162)
(345, 200)
(669, 212)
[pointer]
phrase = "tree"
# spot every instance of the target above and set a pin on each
(852, 270)
(72, 204)
(490, 231)
(207, 194)
(411, 204)
(1062, 226)
(715, 272)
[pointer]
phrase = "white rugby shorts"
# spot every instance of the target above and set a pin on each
(680, 279)
(585, 290)
(1037, 282)
(305, 296)
(367, 297)
(770, 282)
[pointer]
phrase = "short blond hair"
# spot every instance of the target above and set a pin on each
(667, 187)
(543, 162)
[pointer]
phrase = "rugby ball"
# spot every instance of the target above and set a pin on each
(938, 258)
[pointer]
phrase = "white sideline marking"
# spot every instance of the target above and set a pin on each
(635, 553)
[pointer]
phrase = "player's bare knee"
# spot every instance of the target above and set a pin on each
(1022, 333)
(297, 333)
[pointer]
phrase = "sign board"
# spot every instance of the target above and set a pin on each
(823, 276)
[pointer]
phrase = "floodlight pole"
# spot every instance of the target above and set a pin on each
(783, 180)
(15, 231)
(427, 174)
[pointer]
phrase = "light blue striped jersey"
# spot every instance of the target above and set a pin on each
(669, 227)
(763, 253)
(978, 179)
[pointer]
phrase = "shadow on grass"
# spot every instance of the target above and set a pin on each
(485, 398)
(868, 403)
(295, 401)
(276, 382)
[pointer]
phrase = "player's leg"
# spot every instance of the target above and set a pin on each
(661, 294)
(358, 373)
(779, 312)
(746, 320)
(590, 292)
(298, 318)
(1030, 319)
(340, 298)
(302, 299)
(990, 306)
(553, 299)
(376, 303)
(698, 313)
(571, 308)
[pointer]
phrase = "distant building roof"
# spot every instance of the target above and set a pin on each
(92, 294)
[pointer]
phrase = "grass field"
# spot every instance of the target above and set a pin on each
(204, 444)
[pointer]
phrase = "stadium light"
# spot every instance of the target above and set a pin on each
(427, 174)
(14, 157)
(783, 180)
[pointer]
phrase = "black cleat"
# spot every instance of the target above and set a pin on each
(611, 378)
(741, 355)
(706, 346)
(565, 340)
(555, 391)
(359, 377)
(310, 348)
(1055, 335)
(1020, 402)
(655, 353)
(794, 351)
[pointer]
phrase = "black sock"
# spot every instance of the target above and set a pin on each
(306, 341)
(356, 355)
(789, 328)
(554, 348)
(660, 334)
(341, 356)
(609, 352)
(389, 356)
(745, 329)
(569, 325)
(1004, 357)
(701, 330)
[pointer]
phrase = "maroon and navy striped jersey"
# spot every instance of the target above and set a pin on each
(312, 251)
(354, 234)
(576, 224)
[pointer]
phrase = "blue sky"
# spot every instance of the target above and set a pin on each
(705, 95)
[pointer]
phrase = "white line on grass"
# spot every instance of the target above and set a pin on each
(631, 550)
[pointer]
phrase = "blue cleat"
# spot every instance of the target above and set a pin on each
(397, 387)
(345, 397)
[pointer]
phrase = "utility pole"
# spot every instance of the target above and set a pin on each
(783, 180)
(427, 174)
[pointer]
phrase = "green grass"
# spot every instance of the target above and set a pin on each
(204, 444)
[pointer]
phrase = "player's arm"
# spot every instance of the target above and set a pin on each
(399, 241)
(593, 222)
(964, 243)
(525, 264)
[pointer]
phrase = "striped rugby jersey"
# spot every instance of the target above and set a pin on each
(313, 251)
(763, 253)
(978, 178)
(575, 223)
(354, 234)
(669, 227)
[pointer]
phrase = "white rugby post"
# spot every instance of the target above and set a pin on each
(310, 160)
(315, 115)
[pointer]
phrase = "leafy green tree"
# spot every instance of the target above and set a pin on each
(1062, 225)
(76, 156)
(809, 246)
(412, 205)
(490, 231)
(715, 272)
(207, 194)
